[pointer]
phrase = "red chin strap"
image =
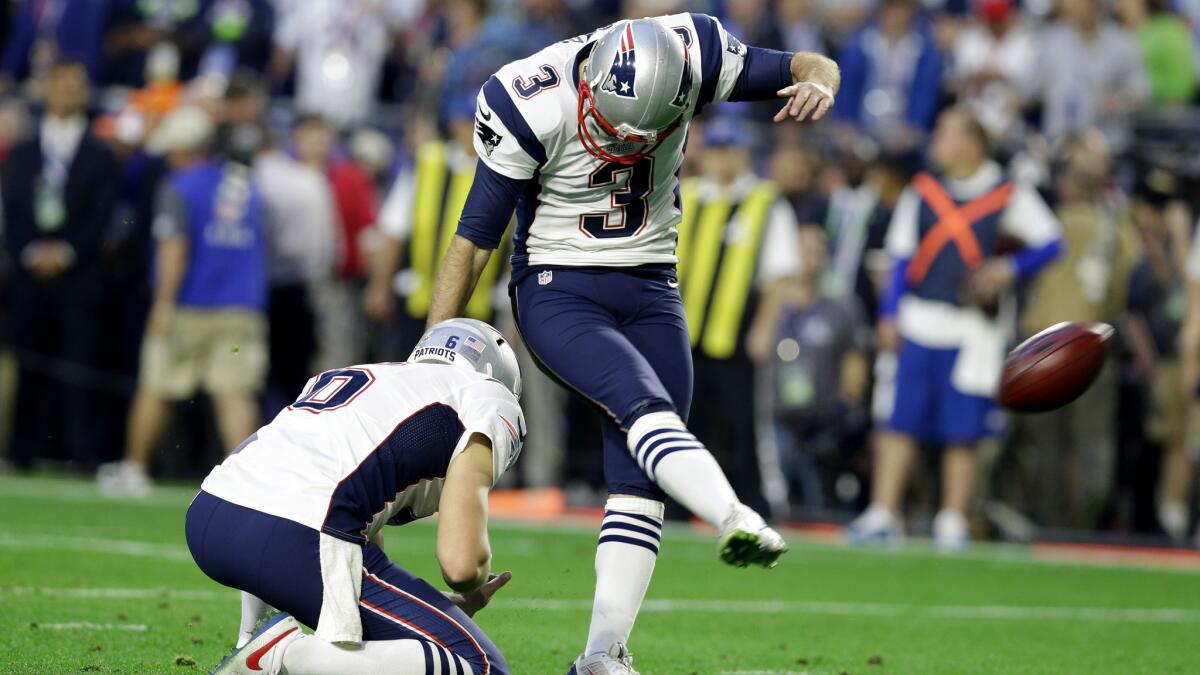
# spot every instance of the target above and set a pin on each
(587, 107)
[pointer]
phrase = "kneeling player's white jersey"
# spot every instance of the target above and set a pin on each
(580, 210)
(369, 445)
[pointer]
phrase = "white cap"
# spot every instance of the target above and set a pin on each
(185, 128)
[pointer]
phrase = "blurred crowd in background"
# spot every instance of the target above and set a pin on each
(205, 202)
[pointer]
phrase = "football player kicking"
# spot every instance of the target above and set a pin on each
(293, 516)
(585, 140)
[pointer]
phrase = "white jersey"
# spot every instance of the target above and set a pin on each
(369, 445)
(580, 210)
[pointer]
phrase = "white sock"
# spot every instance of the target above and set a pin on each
(625, 556)
(253, 611)
(680, 464)
(310, 655)
(1173, 517)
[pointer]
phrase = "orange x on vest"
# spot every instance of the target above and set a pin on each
(954, 224)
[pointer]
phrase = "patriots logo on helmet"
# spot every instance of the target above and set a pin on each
(622, 76)
(487, 136)
(685, 78)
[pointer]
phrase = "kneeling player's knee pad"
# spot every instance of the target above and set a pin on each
(655, 435)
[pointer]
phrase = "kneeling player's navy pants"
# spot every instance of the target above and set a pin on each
(616, 336)
(278, 560)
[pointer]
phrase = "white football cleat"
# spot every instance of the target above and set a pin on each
(262, 655)
(875, 525)
(747, 539)
(123, 479)
(951, 532)
(616, 661)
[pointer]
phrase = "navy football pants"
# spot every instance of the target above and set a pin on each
(618, 337)
(278, 560)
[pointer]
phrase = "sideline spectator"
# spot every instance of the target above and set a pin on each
(1157, 301)
(417, 218)
(736, 242)
(1167, 47)
(1089, 74)
(337, 48)
(819, 375)
(992, 58)
(856, 226)
(46, 33)
(140, 28)
(890, 75)
(1189, 338)
(59, 191)
(301, 217)
(800, 24)
(341, 325)
(1071, 452)
(939, 315)
(206, 329)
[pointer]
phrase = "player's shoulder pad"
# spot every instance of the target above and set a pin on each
(710, 46)
(492, 410)
(525, 97)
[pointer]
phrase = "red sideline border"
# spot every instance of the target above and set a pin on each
(549, 505)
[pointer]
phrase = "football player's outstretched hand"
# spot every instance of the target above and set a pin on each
(478, 599)
(805, 100)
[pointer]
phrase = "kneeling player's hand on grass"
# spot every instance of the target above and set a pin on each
(478, 599)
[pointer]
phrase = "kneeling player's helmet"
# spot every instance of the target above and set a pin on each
(470, 344)
(636, 86)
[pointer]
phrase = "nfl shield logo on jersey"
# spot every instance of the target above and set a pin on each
(545, 277)
(623, 74)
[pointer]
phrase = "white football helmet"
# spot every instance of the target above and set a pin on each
(471, 344)
(635, 86)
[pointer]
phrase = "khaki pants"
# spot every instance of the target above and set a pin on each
(217, 350)
(1067, 456)
(1173, 418)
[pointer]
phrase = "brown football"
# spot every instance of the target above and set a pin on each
(1054, 367)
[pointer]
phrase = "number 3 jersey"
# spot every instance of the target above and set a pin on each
(579, 210)
(369, 445)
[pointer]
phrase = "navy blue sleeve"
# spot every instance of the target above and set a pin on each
(489, 207)
(764, 73)
(896, 287)
(1031, 260)
(712, 55)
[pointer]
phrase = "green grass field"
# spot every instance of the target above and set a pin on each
(108, 586)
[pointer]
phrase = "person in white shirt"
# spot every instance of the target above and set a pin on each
(338, 48)
(940, 315)
(293, 517)
(991, 59)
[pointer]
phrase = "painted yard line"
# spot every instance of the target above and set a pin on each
(117, 593)
(79, 491)
(88, 625)
(175, 497)
(141, 549)
(874, 609)
(1099, 614)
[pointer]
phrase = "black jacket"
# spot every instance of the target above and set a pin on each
(90, 195)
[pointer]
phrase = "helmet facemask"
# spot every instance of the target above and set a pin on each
(622, 132)
(610, 80)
